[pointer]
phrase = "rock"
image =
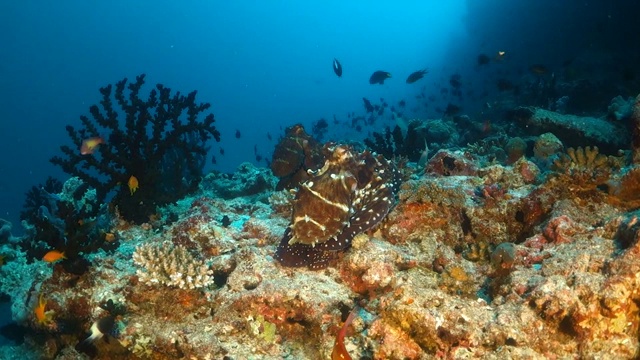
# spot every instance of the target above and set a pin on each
(573, 130)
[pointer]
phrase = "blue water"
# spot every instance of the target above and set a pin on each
(261, 65)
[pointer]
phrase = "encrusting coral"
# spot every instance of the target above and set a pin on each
(171, 265)
(156, 158)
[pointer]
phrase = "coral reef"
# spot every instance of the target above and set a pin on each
(512, 247)
(160, 143)
(635, 130)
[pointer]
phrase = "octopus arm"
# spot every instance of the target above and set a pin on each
(298, 255)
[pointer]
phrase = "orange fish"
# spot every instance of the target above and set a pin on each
(339, 350)
(89, 145)
(53, 256)
(40, 311)
(133, 184)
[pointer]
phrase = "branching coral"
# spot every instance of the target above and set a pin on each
(68, 221)
(172, 266)
(159, 141)
(396, 142)
(38, 196)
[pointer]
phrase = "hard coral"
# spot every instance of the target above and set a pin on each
(171, 266)
(160, 142)
(585, 168)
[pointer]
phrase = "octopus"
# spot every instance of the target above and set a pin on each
(294, 155)
(349, 195)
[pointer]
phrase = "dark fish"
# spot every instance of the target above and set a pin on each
(538, 69)
(258, 158)
(337, 67)
(416, 75)
(402, 103)
(379, 77)
(483, 59)
(504, 85)
(454, 81)
(213, 159)
(269, 136)
(237, 134)
(367, 105)
(221, 151)
(452, 110)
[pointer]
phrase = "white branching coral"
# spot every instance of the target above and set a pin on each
(172, 266)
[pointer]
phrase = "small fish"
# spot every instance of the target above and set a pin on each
(40, 311)
(269, 136)
(483, 59)
(402, 103)
(213, 159)
(53, 256)
(132, 184)
(367, 105)
(500, 55)
(339, 350)
(379, 77)
(486, 127)
(337, 67)
(237, 134)
(100, 328)
(416, 75)
(221, 151)
(452, 110)
(455, 81)
(424, 156)
(89, 145)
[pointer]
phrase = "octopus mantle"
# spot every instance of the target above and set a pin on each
(349, 195)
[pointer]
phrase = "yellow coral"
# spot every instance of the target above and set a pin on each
(585, 168)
